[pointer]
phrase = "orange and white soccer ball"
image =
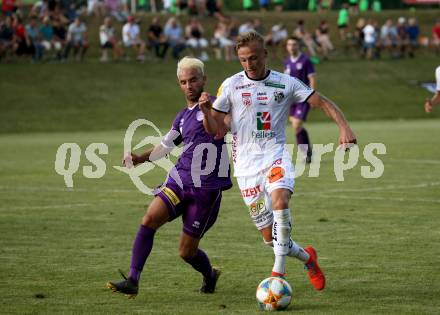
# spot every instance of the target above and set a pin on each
(274, 294)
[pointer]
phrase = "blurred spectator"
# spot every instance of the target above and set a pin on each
(173, 32)
(278, 5)
(247, 5)
(413, 32)
(59, 36)
(402, 41)
(322, 35)
(234, 26)
(312, 5)
(47, 38)
(195, 39)
(377, 6)
(325, 5)
(363, 5)
(246, 27)
(131, 38)
(118, 9)
(108, 41)
(23, 43)
(343, 21)
(77, 39)
(34, 39)
(7, 37)
(359, 34)
(157, 39)
(353, 6)
(276, 38)
(264, 5)
(40, 9)
(222, 42)
(305, 38)
(9, 7)
(214, 8)
(96, 7)
(388, 37)
(436, 36)
(258, 26)
(370, 38)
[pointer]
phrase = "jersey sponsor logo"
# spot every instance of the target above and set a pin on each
(244, 86)
(275, 174)
(263, 121)
(262, 98)
(274, 84)
(251, 192)
(171, 195)
(200, 116)
(261, 93)
(246, 98)
(257, 207)
(262, 134)
(279, 96)
(277, 162)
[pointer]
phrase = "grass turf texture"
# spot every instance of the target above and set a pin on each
(376, 238)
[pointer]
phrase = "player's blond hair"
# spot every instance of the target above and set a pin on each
(247, 38)
(190, 63)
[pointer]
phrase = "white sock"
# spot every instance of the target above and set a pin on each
(281, 239)
(294, 250)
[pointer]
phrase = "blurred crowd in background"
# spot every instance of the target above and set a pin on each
(57, 31)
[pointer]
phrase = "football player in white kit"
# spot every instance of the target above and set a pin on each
(258, 101)
(435, 100)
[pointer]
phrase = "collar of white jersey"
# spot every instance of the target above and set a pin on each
(260, 80)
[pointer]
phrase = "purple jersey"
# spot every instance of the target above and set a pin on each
(300, 68)
(204, 161)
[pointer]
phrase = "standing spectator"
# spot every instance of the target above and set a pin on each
(388, 37)
(96, 7)
(59, 36)
(322, 35)
(195, 40)
(258, 26)
(118, 9)
(214, 8)
(402, 36)
(33, 34)
(343, 21)
(359, 34)
(157, 39)
(108, 40)
(131, 38)
(247, 5)
(363, 5)
(223, 42)
(173, 32)
(436, 36)
(413, 32)
(77, 39)
(377, 6)
(370, 38)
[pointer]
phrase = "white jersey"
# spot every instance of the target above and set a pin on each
(437, 77)
(259, 111)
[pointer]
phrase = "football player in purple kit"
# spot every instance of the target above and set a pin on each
(298, 65)
(196, 201)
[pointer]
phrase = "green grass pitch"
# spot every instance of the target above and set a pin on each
(377, 239)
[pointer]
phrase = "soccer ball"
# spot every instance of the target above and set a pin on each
(274, 294)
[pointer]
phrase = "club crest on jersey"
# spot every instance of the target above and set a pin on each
(246, 98)
(279, 96)
(299, 66)
(263, 121)
(200, 116)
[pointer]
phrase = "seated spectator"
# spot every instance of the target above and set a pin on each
(322, 35)
(7, 38)
(214, 8)
(276, 37)
(108, 40)
(173, 32)
(402, 36)
(131, 38)
(194, 39)
(33, 34)
(23, 43)
(222, 42)
(388, 37)
(9, 7)
(96, 7)
(305, 38)
(278, 5)
(246, 27)
(157, 39)
(40, 9)
(264, 6)
(59, 36)
(436, 36)
(413, 32)
(118, 9)
(77, 39)
(47, 38)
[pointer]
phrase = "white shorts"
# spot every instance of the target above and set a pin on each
(256, 190)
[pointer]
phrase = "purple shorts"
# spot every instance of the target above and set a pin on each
(299, 110)
(198, 207)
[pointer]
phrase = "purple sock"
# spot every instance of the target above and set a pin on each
(141, 250)
(200, 262)
(302, 137)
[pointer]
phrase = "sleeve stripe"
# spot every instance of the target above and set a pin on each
(220, 111)
(310, 95)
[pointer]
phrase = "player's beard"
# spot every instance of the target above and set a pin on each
(194, 98)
